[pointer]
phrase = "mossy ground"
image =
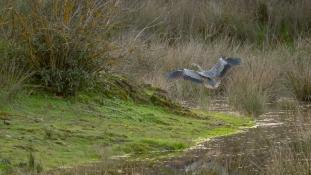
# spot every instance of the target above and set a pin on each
(68, 132)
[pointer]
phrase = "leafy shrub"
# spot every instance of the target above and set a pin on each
(64, 68)
(66, 42)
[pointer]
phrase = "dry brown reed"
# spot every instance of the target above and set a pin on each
(13, 74)
(299, 78)
(261, 21)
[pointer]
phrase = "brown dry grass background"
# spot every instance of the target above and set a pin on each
(270, 37)
(145, 39)
(264, 76)
(68, 43)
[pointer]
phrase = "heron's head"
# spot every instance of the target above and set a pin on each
(222, 57)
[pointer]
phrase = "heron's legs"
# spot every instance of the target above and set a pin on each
(212, 83)
(208, 86)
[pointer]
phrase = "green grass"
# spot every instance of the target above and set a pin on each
(67, 132)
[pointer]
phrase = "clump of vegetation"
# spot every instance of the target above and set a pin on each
(5, 165)
(299, 78)
(250, 88)
(65, 43)
(13, 74)
(247, 98)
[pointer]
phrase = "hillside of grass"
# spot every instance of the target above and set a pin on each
(53, 132)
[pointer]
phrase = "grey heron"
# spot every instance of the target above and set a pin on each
(210, 78)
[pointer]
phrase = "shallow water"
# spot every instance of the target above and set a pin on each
(248, 152)
(244, 153)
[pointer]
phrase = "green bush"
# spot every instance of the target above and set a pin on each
(66, 42)
(62, 67)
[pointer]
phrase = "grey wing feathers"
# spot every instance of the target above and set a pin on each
(186, 74)
(221, 68)
(209, 77)
(215, 71)
(230, 62)
(175, 74)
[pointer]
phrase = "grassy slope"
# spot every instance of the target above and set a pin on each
(64, 132)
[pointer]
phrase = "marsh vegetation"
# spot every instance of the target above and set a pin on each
(70, 69)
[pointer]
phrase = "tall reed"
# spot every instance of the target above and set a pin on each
(299, 78)
(13, 74)
(252, 86)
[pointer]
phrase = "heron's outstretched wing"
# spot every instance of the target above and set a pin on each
(216, 70)
(221, 67)
(186, 74)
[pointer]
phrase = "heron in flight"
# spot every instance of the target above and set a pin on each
(209, 78)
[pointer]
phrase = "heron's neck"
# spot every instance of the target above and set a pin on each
(199, 67)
